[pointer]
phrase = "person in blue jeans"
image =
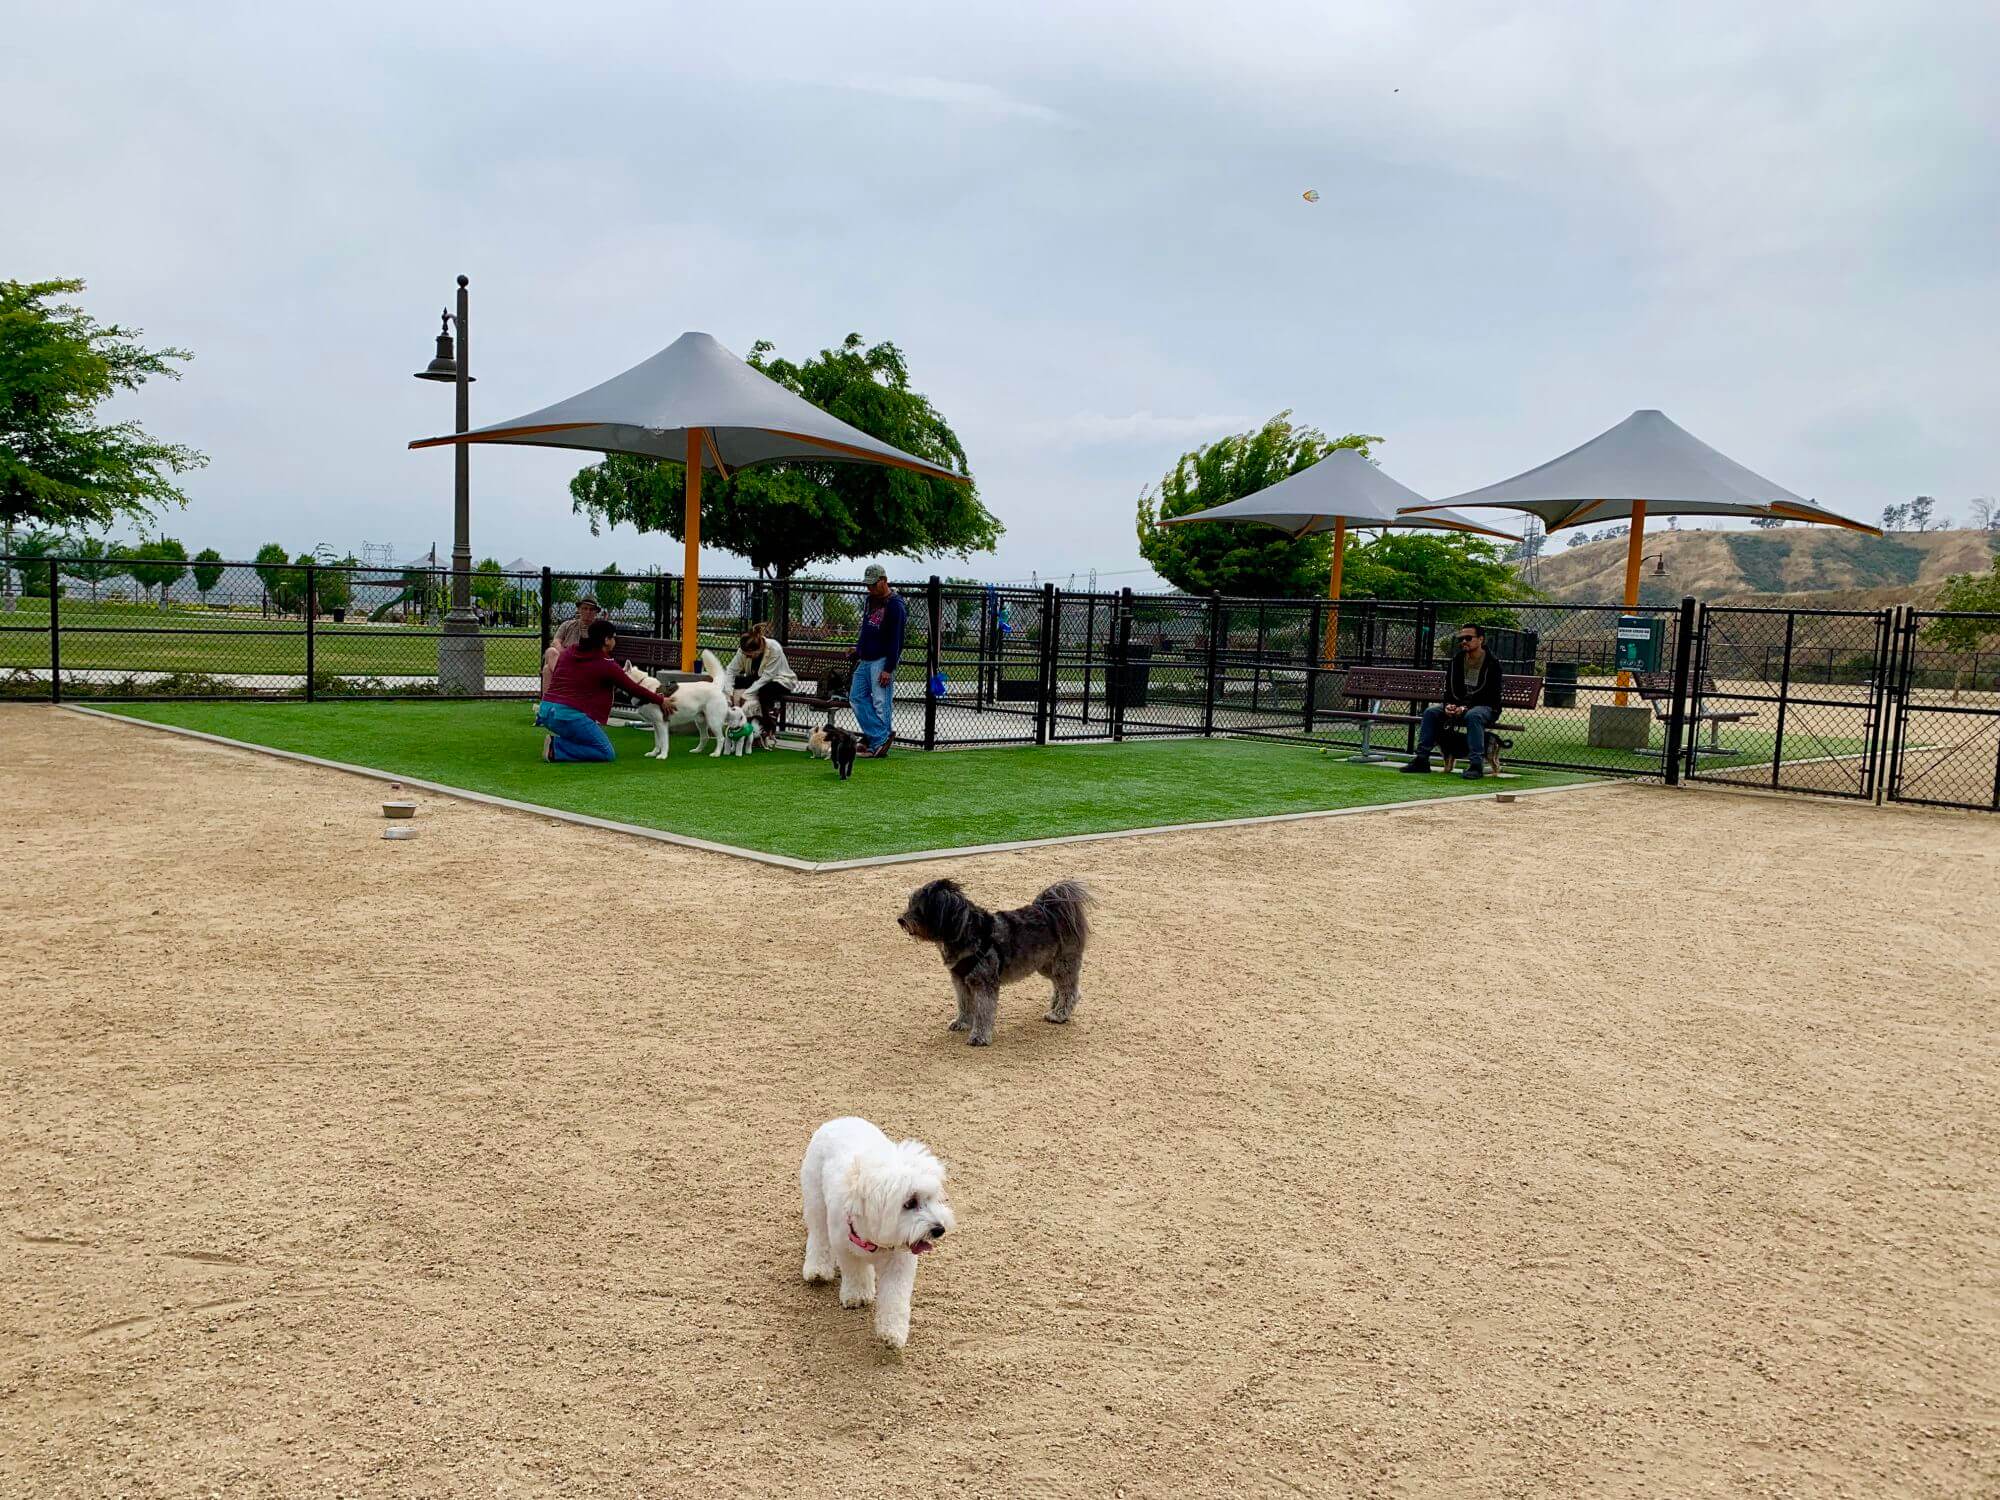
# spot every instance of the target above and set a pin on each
(872, 693)
(577, 701)
(1471, 702)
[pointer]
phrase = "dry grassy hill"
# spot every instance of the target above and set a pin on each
(1809, 565)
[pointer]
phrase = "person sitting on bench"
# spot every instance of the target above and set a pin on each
(1471, 704)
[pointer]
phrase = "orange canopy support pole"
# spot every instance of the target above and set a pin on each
(691, 565)
(1331, 644)
(1635, 547)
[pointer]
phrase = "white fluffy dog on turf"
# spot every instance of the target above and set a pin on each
(872, 1206)
(702, 704)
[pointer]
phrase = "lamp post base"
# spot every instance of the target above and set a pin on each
(461, 657)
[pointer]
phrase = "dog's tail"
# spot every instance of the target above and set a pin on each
(1067, 904)
(713, 667)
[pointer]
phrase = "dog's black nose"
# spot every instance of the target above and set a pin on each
(937, 1231)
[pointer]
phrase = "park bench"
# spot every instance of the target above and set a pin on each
(1657, 688)
(828, 668)
(1419, 687)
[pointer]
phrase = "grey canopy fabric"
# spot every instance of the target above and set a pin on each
(1341, 489)
(1649, 458)
(694, 385)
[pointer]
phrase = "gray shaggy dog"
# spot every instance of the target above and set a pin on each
(986, 949)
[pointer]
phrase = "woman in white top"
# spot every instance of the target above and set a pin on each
(773, 682)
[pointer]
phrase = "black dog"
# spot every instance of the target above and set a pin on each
(836, 744)
(986, 949)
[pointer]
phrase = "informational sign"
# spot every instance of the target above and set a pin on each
(1639, 638)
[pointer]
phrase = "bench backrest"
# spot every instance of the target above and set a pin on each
(1423, 685)
(824, 666)
(649, 652)
(1651, 685)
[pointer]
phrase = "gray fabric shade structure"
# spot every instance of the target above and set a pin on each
(695, 391)
(1342, 490)
(697, 404)
(1646, 464)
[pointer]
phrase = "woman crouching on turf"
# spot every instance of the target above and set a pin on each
(756, 652)
(577, 702)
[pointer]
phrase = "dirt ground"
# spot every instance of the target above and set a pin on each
(1616, 1142)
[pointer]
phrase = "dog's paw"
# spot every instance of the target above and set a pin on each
(958, 1026)
(895, 1338)
(1056, 1017)
(976, 1040)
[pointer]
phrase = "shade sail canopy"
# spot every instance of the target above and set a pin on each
(739, 418)
(1647, 457)
(1342, 488)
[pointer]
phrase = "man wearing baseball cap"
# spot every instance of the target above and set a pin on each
(568, 634)
(876, 653)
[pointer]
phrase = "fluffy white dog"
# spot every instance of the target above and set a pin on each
(872, 1205)
(702, 704)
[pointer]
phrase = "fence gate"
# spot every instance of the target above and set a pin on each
(1944, 737)
(1790, 700)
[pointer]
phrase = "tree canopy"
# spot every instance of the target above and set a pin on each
(59, 465)
(1244, 560)
(1429, 565)
(789, 516)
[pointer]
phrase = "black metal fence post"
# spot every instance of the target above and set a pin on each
(1677, 719)
(548, 611)
(783, 622)
(1211, 684)
(1313, 664)
(1121, 665)
(934, 597)
(659, 606)
(1784, 696)
(1045, 694)
(312, 609)
(55, 630)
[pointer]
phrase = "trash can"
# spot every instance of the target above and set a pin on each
(1559, 684)
(1129, 681)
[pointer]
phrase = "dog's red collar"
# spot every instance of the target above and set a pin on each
(866, 1246)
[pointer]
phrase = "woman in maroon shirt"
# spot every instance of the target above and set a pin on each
(577, 701)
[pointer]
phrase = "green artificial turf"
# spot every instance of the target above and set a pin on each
(784, 802)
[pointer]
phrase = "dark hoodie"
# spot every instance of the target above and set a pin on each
(1484, 692)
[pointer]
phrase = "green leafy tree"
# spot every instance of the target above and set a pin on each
(487, 583)
(33, 549)
(333, 586)
(284, 584)
(1429, 565)
(158, 564)
(59, 465)
(1243, 560)
(1769, 523)
(784, 517)
(95, 564)
(1971, 594)
(207, 571)
(612, 590)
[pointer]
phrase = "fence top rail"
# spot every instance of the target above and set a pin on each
(1768, 609)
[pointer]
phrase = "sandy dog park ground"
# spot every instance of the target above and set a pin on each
(1622, 1141)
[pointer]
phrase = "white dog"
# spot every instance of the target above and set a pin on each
(872, 1204)
(702, 704)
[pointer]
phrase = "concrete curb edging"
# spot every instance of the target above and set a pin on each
(785, 861)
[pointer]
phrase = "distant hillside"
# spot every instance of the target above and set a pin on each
(1816, 566)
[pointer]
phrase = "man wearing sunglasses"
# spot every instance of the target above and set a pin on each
(1471, 702)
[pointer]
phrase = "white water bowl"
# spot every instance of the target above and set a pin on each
(399, 832)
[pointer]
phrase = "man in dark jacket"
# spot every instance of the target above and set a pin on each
(1471, 703)
(876, 653)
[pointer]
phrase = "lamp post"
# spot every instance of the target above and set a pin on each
(461, 649)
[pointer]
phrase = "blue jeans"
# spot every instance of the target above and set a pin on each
(578, 736)
(1475, 721)
(872, 702)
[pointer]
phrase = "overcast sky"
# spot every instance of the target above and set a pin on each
(1083, 224)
